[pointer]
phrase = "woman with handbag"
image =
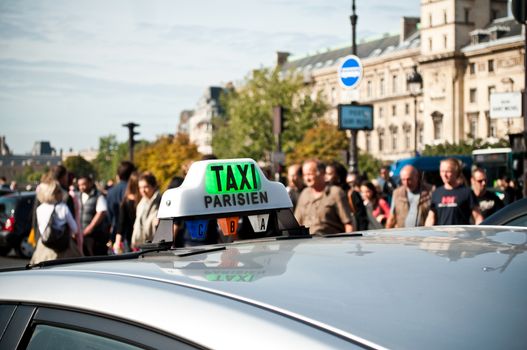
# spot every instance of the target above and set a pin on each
(55, 224)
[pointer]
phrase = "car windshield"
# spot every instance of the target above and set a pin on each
(7, 206)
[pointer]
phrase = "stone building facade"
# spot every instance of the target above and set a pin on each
(199, 122)
(463, 51)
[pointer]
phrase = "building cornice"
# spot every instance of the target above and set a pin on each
(453, 55)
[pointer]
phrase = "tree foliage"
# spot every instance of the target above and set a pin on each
(110, 154)
(464, 147)
(80, 166)
(166, 156)
(247, 128)
(369, 165)
(324, 142)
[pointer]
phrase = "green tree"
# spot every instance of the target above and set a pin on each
(247, 128)
(324, 142)
(369, 165)
(80, 166)
(166, 157)
(110, 154)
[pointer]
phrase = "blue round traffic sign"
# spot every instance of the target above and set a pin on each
(350, 72)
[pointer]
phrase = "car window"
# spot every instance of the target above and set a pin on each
(6, 312)
(54, 338)
(7, 206)
(519, 221)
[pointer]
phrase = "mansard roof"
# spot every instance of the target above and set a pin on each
(496, 32)
(367, 49)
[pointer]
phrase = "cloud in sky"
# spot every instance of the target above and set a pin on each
(74, 71)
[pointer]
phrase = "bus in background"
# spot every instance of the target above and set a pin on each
(499, 163)
(428, 166)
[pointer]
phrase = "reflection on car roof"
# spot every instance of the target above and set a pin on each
(407, 288)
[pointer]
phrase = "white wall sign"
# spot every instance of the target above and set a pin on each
(506, 105)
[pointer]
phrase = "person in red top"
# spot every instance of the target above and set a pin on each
(377, 207)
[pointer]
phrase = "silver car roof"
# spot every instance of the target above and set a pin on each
(448, 287)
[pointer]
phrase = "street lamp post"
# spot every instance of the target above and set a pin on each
(353, 160)
(415, 84)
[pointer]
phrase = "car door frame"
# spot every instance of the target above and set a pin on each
(24, 318)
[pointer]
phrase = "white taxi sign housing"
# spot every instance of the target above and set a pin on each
(223, 186)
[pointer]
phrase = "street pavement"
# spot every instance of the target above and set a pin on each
(12, 260)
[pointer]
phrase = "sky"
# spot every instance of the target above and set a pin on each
(74, 71)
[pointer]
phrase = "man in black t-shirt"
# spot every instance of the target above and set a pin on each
(488, 201)
(453, 203)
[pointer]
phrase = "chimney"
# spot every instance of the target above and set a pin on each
(281, 58)
(408, 27)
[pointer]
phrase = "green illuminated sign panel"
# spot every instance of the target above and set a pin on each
(226, 178)
(230, 277)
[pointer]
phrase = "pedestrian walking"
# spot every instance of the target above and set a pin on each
(453, 203)
(146, 215)
(488, 201)
(95, 225)
(53, 213)
(322, 207)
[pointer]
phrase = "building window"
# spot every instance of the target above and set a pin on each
(472, 68)
(445, 41)
(445, 19)
(467, 15)
(491, 66)
(381, 140)
(393, 137)
(394, 110)
(406, 109)
(381, 112)
(368, 142)
(493, 128)
(437, 119)
(407, 139)
(421, 133)
(394, 83)
(430, 44)
(430, 19)
(382, 87)
(491, 89)
(472, 95)
(369, 88)
(473, 122)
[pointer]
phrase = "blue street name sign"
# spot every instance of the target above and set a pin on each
(350, 72)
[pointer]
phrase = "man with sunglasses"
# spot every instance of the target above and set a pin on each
(489, 202)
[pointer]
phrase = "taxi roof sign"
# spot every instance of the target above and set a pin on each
(223, 186)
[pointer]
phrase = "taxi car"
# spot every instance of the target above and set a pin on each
(267, 283)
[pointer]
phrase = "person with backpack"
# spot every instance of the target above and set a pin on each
(55, 224)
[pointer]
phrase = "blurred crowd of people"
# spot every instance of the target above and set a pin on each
(122, 215)
(328, 199)
(101, 221)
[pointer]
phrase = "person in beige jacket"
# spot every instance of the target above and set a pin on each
(146, 215)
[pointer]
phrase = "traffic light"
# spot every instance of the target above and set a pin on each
(131, 139)
(518, 8)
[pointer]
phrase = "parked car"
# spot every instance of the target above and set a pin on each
(16, 210)
(4, 191)
(514, 214)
